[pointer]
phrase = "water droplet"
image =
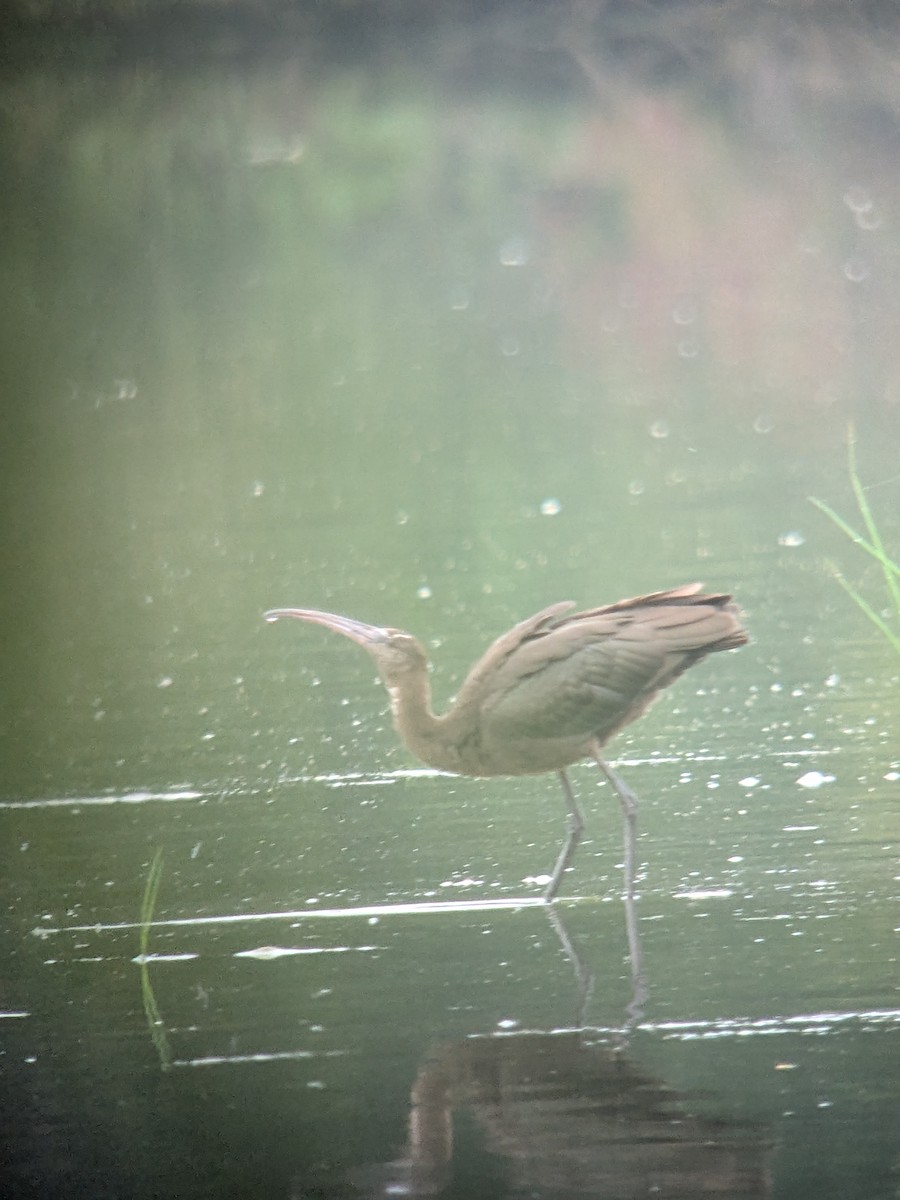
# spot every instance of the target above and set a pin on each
(868, 220)
(551, 507)
(459, 299)
(514, 252)
(857, 199)
(814, 779)
(688, 348)
(750, 781)
(424, 592)
(832, 680)
(684, 313)
(763, 424)
(165, 682)
(402, 517)
(810, 242)
(258, 488)
(636, 487)
(856, 270)
(792, 538)
(660, 429)
(509, 346)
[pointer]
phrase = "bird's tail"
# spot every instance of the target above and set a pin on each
(697, 622)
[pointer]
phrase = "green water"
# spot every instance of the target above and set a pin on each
(434, 329)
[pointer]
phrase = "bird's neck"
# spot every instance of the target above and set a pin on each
(422, 732)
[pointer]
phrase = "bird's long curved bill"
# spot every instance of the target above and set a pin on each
(358, 631)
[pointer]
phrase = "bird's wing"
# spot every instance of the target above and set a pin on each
(499, 653)
(595, 671)
(587, 692)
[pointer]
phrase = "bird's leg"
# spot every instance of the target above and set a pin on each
(629, 802)
(574, 830)
(584, 977)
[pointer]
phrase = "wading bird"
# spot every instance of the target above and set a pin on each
(551, 691)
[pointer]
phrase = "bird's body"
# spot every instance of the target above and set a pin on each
(551, 691)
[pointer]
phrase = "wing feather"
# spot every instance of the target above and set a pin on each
(590, 673)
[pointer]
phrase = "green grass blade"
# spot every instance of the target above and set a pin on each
(889, 568)
(879, 555)
(872, 545)
(866, 608)
(148, 902)
(148, 996)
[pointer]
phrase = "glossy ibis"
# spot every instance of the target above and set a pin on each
(551, 691)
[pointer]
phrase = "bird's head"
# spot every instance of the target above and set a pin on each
(397, 654)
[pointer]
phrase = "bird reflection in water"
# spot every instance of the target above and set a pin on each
(562, 1117)
(550, 692)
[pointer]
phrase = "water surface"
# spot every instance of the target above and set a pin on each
(436, 327)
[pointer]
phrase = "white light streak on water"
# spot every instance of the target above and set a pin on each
(267, 953)
(374, 910)
(104, 801)
(225, 1060)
